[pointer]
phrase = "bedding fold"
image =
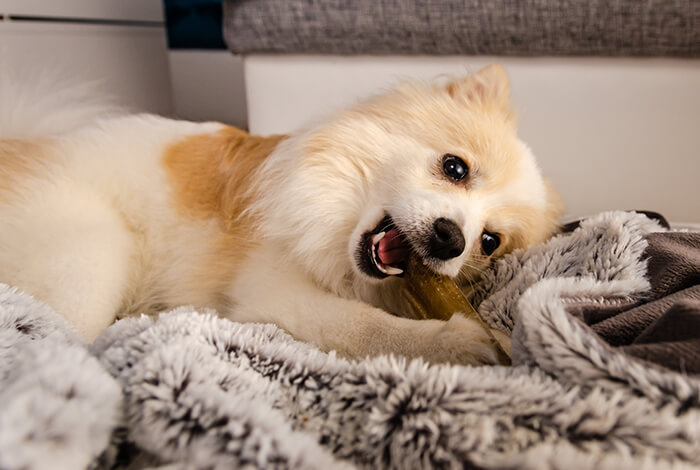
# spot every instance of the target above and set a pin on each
(590, 389)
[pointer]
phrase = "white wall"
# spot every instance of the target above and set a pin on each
(128, 57)
(138, 10)
(208, 86)
(610, 133)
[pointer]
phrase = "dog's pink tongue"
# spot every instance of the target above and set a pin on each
(392, 248)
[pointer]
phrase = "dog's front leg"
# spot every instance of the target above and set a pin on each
(290, 300)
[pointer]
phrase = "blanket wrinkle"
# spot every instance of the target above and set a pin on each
(626, 326)
(663, 326)
(673, 339)
(191, 390)
(673, 260)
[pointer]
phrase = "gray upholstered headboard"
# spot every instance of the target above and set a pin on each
(458, 27)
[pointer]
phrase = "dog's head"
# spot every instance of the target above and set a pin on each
(432, 171)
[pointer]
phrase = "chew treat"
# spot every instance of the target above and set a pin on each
(437, 297)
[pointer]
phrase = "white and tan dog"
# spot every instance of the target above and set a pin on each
(136, 213)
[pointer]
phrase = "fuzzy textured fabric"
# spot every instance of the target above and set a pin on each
(198, 391)
(665, 327)
(58, 405)
(464, 27)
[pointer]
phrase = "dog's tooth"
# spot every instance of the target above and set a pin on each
(377, 237)
(383, 268)
(389, 270)
(392, 271)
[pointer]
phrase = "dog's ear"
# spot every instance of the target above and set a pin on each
(489, 86)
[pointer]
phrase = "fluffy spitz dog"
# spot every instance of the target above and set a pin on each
(132, 214)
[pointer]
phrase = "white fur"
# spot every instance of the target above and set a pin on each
(46, 104)
(94, 237)
(96, 234)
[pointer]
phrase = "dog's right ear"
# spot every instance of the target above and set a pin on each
(489, 86)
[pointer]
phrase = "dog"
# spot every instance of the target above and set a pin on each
(132, 214)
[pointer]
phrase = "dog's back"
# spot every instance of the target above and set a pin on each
(99, 212)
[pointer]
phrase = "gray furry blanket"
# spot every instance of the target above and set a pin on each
(190, 390)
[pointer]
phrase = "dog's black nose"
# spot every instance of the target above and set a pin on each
(446, 241)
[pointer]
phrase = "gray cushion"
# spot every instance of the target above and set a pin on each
(443, 27)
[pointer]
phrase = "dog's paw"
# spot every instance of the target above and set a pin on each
(462, 340)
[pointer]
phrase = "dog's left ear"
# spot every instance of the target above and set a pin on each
(489, 86)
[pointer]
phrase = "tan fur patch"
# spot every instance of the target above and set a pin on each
(213, 177)
(212, 173)
(19, 161)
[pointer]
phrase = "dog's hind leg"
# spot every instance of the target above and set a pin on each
(69, 250)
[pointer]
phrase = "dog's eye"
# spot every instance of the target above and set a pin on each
(454, 167)
(489, 242)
